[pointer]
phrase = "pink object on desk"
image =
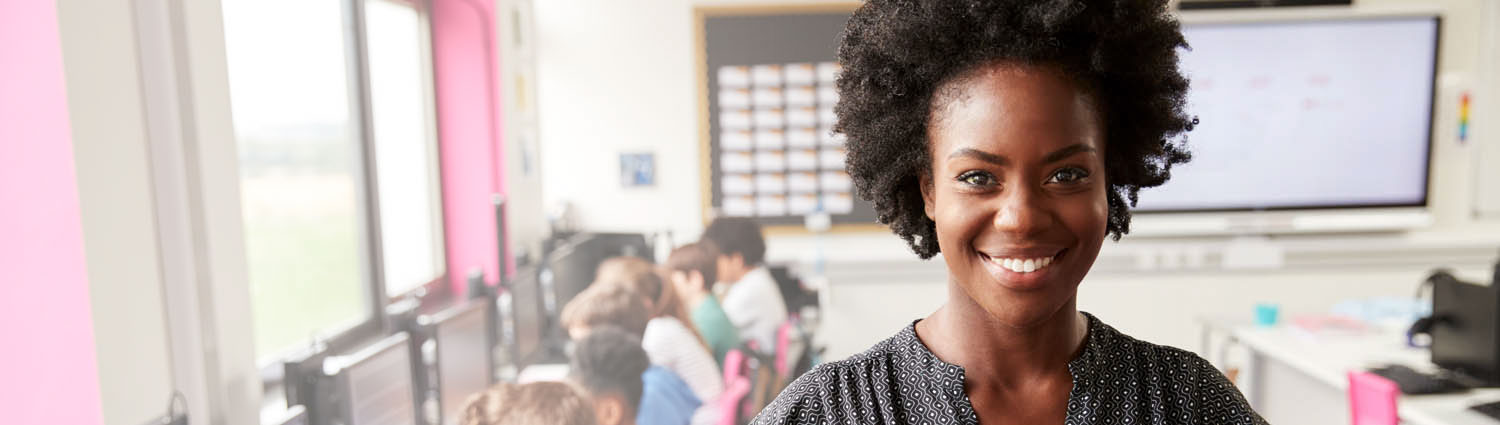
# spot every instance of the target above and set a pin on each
(1372, 399)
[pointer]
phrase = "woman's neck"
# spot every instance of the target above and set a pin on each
(999, 353)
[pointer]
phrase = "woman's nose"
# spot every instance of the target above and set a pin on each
(1021, 212)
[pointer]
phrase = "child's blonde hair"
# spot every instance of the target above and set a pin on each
(529, 404)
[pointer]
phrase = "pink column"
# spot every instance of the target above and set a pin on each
(51, 375)
(467, 73)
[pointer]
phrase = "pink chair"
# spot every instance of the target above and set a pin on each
(736, 387)
(1372, 399)
(783, 341)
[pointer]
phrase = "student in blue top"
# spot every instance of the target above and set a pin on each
(610, 365)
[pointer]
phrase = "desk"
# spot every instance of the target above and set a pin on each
(543, 373)
(1296, 378)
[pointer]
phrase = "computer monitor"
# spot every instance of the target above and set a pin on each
(303, 381)
(522, 317)
(1317, 124)
(572, 267)
(462, 341)
(501, 238)
(1464, 332)
(373, 386)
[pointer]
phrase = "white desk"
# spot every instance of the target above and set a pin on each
(1294, 378)
(543, 373)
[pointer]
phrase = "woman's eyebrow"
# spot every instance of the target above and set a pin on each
(1055, 156)
(980, 155)
(1063, 153)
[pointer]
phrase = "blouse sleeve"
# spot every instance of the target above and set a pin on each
(1218, 400)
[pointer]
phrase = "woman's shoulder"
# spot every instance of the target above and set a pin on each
(1180, 379)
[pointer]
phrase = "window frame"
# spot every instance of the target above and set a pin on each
(433, 293)
(435, 290)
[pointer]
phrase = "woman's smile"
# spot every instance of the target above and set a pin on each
(1022, 269)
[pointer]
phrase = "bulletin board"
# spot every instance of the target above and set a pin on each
(766, 96)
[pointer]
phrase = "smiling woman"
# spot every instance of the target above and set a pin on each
(1013, 137)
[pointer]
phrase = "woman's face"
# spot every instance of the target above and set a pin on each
(1017, 189)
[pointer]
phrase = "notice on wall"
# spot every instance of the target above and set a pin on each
(773, 116)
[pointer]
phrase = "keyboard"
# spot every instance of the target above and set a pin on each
(1491, 409)
(1411, 381)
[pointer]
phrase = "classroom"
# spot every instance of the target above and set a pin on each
(747, 212)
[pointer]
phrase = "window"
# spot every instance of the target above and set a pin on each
(338, 164)
(411, 229)
(301, 171)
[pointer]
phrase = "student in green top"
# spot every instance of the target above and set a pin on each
(693, 269)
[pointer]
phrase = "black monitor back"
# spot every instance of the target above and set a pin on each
(303, 382)
(574, 265)
(374, 386)
(523, 321)
(1465, 334)
(464, 355)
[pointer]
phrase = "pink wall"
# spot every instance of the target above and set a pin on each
(48, 361)
(467, 73)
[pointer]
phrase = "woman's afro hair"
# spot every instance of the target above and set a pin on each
(896, 53)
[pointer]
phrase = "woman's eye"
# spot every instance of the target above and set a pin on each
(977, 178)
(1068, 175)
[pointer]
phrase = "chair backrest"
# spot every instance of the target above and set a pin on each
(783, 341)
(1372, 399)
(736, 387)
(734, 364)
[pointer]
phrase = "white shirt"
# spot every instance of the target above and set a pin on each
(755, 306)
(671, 345)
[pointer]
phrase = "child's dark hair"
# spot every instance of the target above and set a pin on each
(737, 235)
(610, 361)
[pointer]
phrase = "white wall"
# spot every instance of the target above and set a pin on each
(616, 77)
(119, 225)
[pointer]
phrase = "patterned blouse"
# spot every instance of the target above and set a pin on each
(1116, 380)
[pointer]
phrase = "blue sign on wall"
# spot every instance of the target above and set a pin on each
(637, 169)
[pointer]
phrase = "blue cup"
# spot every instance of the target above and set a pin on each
(1266, 314)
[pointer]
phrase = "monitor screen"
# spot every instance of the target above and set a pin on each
(463, 354)
(378, 384)
(1305, 114)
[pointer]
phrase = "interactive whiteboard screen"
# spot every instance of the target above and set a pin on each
(1306, 114)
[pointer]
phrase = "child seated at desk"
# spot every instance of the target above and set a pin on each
(693, 270)
(609, 364)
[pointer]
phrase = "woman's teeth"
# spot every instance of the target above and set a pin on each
(1023, 265)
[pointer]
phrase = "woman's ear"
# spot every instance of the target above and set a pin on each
(924, 180)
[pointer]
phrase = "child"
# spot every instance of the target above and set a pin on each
(752, 299)
(529, 404)
(609, 364)
(693, 270)
(605, 305)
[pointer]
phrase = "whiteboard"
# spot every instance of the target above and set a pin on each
(1484, 116)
